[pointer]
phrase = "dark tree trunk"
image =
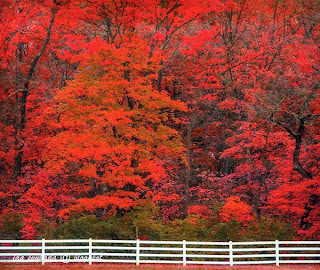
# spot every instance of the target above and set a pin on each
(21, 117)
(187, 178)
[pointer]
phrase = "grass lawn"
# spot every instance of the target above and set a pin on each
(77, 266)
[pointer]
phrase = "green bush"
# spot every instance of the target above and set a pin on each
(230, 231)
(269, 229)
(83, 227)
(145, 222)
(11, 225)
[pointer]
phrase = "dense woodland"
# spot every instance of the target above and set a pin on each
(160, 119)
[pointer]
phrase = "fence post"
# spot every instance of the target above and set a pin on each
(184, 252)
(90, 251)
(277, 253)
(43, 251)
(230, 253)
(138, 252)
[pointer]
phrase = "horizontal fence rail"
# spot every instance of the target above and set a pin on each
(166, 252)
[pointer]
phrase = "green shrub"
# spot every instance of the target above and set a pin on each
(230, 231)
(269, 229)
(11, 225)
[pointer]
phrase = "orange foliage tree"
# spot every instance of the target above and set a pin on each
(111, 137)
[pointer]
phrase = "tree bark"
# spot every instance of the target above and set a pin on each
(188, 169)
(296, 154)
(21, 118)
(298, 136)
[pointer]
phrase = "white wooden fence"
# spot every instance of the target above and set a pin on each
(175, 252)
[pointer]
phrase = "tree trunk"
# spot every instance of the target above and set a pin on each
(21, 117)
(188, 169)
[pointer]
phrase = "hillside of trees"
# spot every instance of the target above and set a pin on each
(160, 119)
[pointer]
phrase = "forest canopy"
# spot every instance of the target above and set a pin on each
(160, 119)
